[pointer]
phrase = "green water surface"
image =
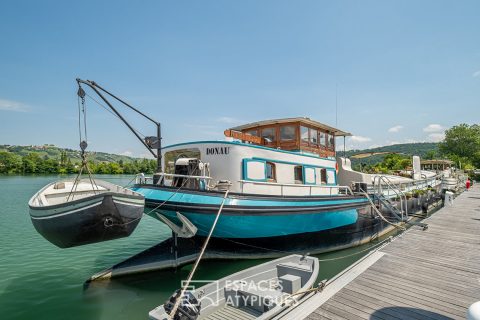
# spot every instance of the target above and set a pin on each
(40, 281)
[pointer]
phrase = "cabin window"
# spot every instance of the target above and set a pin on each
(270, 171)
(254, 170)
(313, 137)
(298, 173)
(322, 139)
(323, 176)
(269, 134)
(331, 142)
(304, 133)
(309, 175)
(287, 133)
(253, 132)
(331, 177)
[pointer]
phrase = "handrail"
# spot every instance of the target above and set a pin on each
(415, 182)
(365, 194)
(398, 192)
(347, 189)
(175, 175)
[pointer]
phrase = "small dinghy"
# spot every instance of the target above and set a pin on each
(260, 292)
(81, 211)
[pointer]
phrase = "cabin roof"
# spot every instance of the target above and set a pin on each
(302, 120)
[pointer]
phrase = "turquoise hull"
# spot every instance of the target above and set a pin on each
(252, 216)
(266, 226)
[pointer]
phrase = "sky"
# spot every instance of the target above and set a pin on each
(386, 71)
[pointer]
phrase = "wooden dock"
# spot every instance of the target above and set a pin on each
(431, 274)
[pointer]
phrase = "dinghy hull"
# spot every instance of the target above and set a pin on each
(101, 217)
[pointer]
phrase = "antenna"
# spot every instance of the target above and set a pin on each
(336, 105)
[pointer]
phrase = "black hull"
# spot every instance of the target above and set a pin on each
(102, 222)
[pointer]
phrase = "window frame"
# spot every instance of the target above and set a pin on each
(274, 171)
(304, 175)
(323, 176)
(331, 146)
(245, 176)
(294, 138)
(310, 136)
(307, 141)
(298, 169)
(274, 140)
(320, 133)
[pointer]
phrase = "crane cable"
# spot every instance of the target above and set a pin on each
(82, 113)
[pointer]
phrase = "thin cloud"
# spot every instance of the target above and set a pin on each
(127, 153)
(433, 128)
(476, 74)
(391, 143)
(436, 137)
(395, 128)
(360, 139)
(229, 120)
(10, 105)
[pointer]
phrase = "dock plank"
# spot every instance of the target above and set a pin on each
(429, 274)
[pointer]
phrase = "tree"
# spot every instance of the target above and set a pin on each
(115, 168)
(430, 155)
(69, 167)
(462, 144)
(462, 140)
(31, 163)
(10, 163)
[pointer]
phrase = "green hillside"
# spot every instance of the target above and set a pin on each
(423, 149)
(49, 159)
(53, 152)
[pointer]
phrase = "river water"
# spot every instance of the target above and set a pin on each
(40, 281)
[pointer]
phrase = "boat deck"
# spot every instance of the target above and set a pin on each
(431, 274)
(229, 312)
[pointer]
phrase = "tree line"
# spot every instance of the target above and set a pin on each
(33, 163)
(460, 145)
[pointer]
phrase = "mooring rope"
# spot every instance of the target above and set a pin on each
(190, 276)
(380, 214)
(156, 208)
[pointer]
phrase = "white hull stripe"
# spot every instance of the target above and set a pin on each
(129, 203)
(67, 213)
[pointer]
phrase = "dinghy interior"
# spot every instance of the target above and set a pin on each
(260, 292)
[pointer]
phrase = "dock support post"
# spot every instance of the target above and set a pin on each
(175, 249)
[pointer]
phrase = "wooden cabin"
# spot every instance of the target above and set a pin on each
(293, 134)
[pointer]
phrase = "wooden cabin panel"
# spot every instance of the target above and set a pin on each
(296, 144)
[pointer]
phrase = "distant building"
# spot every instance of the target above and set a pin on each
(435, 164)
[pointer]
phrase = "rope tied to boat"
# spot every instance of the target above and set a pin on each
(204, 247)
(152, 210)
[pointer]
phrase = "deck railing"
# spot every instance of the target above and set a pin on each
(409, 186)
(384, 181)
(141, 179)
(282, 186)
